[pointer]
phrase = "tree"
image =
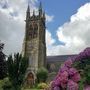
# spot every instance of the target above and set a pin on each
(17, 66)
(3, 69)
(42, 74)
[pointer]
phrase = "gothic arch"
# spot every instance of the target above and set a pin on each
(30, 78)
(35, 31)
(30, 31)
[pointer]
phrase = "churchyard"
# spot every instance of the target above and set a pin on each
(73, 74)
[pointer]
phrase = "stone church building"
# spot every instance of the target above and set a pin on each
(34, 45)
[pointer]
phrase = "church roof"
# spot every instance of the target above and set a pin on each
(59, 58)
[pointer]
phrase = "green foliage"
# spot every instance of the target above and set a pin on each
(87, 74)
(81, 83)
(42, 74)
(51, 77)
(3, 68)
(84, 67)
(5, 84)
(1, 84)
(17, 66)
(48, 66)
(82, 64)
(42, 86)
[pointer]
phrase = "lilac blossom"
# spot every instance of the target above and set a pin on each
(56, 88)
(68, 77)
(87, 87)
(72, 71)
(68, 63)
(76, 77)
(63, 68)
(83, 55)
(71, 85)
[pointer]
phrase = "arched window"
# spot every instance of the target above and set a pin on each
(35, 31)
(31, 32)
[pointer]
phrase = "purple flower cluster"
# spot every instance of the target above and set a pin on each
(83, 55)
(68, 77)
(86, 88)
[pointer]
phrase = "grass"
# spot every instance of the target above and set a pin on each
(32, 89)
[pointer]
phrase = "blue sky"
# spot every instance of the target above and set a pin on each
(62, 10)
(67, 22)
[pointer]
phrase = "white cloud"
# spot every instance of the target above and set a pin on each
(12, 24)
(83, 13)
(49, 39)
(12, 27)
(11, 33)
(75, 33)
(49, 18)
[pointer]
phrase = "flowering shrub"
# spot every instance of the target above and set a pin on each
(69, 76)
(42, 86)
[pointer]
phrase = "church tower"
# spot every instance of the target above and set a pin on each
(34, 46)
